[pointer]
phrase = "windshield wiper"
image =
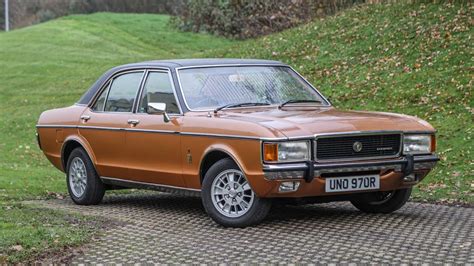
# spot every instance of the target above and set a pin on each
(238, 105)
(299, 101)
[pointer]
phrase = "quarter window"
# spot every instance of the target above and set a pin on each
(100, 103)
(123, 92)
(158, 89)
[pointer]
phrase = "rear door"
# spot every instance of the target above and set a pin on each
(103, 125)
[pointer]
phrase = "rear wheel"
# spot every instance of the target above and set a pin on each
(228, 198)
(83, 182)
(382, 201)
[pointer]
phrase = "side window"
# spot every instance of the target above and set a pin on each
(99, 104)
(123, 92)
(158, 89)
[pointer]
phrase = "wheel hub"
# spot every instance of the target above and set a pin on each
(232, 193)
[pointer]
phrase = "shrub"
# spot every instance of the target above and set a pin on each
(249, 18)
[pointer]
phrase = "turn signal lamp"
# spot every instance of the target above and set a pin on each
(270, 152)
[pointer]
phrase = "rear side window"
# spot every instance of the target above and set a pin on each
(123, 92)
(158, 89)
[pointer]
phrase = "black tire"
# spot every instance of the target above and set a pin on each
(256, 212)
(381, 202)
(94, 188)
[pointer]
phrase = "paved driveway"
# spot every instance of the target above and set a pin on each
(161, 228)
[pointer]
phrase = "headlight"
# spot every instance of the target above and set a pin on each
(418, 144)
(286, 151)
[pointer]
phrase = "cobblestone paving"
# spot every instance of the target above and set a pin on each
(162, 228)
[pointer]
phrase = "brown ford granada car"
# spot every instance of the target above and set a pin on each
(241, 133)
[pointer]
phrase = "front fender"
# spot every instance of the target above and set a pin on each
(248, 160)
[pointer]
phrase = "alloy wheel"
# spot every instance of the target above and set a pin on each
(77, 177)
(231, 193)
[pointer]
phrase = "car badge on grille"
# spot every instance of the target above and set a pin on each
(357, 146)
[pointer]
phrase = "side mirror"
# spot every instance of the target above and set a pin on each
(158, 109)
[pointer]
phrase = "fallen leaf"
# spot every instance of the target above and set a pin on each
(16, 248)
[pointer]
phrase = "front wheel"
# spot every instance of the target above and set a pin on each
(228, 198)
(382, 201)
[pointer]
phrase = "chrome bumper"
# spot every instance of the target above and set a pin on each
(407, 164)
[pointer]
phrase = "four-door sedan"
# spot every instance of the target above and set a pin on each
(239, 132)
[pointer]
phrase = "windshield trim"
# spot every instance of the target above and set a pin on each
(325, 104)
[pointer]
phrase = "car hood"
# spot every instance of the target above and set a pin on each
(294, 122)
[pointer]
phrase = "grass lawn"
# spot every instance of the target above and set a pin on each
(413, 59)
(50, 65)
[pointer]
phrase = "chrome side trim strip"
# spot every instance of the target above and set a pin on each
(192, 134)
(101, 128)
(113, 179)
(151, 131)
(218, 136)
(207, 134)
(56, 126)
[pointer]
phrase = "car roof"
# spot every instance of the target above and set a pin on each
(171, 64)
(177, 63)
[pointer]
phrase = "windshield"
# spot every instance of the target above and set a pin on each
(210, 87)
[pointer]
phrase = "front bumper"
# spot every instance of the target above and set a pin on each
(309, 170)
(394, 174)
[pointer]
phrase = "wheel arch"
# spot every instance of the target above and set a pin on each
(214, 154)
(72, 143)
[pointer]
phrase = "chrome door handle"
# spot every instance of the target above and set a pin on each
(85, 118)
(133, 122)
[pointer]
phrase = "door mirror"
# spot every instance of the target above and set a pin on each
(158, 109)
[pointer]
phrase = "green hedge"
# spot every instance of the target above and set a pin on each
(250, 18)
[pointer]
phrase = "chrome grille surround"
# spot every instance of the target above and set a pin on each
(354, 135)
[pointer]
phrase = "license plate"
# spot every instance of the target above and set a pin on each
(352, 183)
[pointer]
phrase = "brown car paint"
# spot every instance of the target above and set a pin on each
(171, 153)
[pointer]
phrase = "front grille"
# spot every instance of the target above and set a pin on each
(342, 147)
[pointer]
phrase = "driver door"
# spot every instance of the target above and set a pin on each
(153, 145)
